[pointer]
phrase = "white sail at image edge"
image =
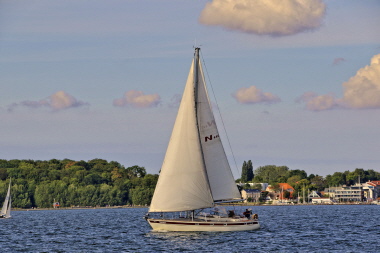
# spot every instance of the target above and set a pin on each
(6, 209)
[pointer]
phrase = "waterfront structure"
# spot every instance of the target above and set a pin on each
(321, 201)
(330, 192)
(279, 194)
(314, 194)
(251, 195)
(353, 193)
(365, 192)
(371, 190)
(316, 197)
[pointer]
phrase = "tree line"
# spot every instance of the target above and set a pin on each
(75, 183)
(99, 183)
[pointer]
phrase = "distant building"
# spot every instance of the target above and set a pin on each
(331, 191)
(279, 195)
(253, 194)
(314, 194)
(367, 192)
(371, 190)
(353, 193)
(316, 198)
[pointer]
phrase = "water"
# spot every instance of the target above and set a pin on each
(353, 228)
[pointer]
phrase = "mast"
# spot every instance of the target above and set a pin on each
(304, 200)
(196, 85)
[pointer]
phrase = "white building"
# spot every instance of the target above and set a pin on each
(353, 193)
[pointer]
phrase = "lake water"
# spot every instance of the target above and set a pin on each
(350, 228)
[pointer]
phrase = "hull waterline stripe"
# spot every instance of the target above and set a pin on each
(204, 223)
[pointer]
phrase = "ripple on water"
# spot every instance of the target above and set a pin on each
(283, 229)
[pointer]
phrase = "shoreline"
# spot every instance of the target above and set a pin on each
(75, 208)
(126, 207)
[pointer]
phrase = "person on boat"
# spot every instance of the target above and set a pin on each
(247, 213)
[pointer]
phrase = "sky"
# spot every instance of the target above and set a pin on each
(297, 82)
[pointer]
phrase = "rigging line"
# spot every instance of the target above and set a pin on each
(220, 114)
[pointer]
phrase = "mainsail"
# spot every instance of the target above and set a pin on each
(6, 210)
(195, 172)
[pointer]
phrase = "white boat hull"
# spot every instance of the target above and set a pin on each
(201, 225)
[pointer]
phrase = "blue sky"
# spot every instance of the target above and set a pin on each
(101, 79)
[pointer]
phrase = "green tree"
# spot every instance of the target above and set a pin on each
(301, 173)
(75, 183)
(319, 182)
(250, 174)
(135, 171)
(263, 196)
(256, 186)
(337, 179)
(293, 180)
(272, 174)
(141, 196)
(3, 173)
(244, 172)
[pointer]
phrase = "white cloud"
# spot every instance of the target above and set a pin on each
(61, 100)
(58, 101)
(253, 95)
(318, 103)
(361, 91)
(265, 17)
(137, 99)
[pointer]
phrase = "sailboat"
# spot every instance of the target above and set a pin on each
(195, 175)
(6, 210)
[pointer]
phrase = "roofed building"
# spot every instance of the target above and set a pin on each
(251, 195)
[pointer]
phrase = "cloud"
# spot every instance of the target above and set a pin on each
(61, 100)
(318, 103)
(253, 95)
(338, 61)
(361, 91)
(175, 101)
(137, 99)
(56, 102)
(265, 17)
